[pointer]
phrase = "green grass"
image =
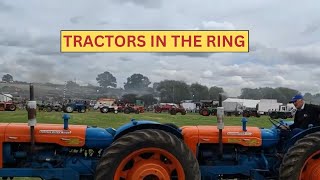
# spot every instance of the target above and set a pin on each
(116, 120)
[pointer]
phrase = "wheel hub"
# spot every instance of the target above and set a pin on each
(149, 170)
(315, 172)
(312, 170)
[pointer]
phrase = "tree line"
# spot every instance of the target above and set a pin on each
(138, 86)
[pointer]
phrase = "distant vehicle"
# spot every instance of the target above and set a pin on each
(280, 114)
(49, 107)
(284, 112)
(7, 106)
(208, 107)
(171, 108)
(6, 103)
(70, 107)
(250, 113)
(106, 105)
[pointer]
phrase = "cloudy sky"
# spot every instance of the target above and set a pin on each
(284, 42)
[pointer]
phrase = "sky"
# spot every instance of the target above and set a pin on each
(284, 42)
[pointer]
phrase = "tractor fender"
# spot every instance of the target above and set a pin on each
(144, 124)
(300, 135)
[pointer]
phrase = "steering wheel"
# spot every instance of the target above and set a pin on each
(280, 123)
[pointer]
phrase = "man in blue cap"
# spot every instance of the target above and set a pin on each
(306, 114)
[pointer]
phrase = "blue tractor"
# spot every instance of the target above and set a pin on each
(74, 106)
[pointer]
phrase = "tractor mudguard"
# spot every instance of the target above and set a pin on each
(300, 135)
(145, 124)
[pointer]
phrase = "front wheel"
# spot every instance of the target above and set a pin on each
(104, 110)
(148, 154)
(69, 109)
(12, 107)
(302, 161)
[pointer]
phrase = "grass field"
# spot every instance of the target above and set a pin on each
(116, 120)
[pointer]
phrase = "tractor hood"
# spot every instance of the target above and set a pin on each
(74, 136)
(194, 135)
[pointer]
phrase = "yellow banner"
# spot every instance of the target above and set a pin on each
(154, 41)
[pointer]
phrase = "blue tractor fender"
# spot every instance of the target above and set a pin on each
(146, 124)
(300, 135)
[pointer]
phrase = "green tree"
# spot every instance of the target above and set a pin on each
(129, 98)
(199, 92)
(249, 93)
(285, 94)
(137, 82)
(148, 99)
(173, 91)
(106, 80)
(282, 94)
(308, 97)
(214, 92)
(7, 78)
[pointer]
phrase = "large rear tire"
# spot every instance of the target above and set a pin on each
(148, 154)
(302, 161)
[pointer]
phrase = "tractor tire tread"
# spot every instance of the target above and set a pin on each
(143, 139)
(297, 154)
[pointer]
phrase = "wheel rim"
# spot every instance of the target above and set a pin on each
(311, 167)
(205, 113)
(149, 164)
(12, 107)
(69, 109)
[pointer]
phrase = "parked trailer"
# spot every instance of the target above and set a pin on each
(267, 105)
(233, 108)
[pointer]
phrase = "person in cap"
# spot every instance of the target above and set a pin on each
(306, 115)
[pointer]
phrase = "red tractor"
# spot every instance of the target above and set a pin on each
(7, 106)
(6, 103)
(132, 108)
(171, 108)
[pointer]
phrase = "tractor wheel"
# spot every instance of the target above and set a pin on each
(173, 112)
(137, 111)
(148, 154)
(205, 112)
(12, 107)
(82, 110)
(48, 109)
(302, 161)
(69, 109)
(126, 111)
(183, 112)
(104, 110)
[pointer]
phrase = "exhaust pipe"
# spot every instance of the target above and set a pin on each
(220, 125)
(32, 121)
